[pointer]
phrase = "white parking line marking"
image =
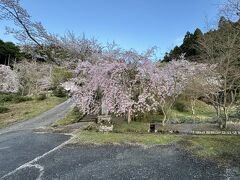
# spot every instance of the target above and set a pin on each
(2, 148)
(32, 163)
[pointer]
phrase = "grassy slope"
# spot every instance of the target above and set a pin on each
(226, 149)
(68, 119)
(203, 112)
(26, 110)
(117, 138)
(72, 117)
(223, 149)
(133, 127)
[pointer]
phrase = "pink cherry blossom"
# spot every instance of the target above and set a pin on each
(8, 80)
(129, 82)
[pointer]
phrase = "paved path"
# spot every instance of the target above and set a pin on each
(42, 120)
(27, 155)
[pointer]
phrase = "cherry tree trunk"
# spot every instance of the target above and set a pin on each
(226, 118)
(129, 116)
(164, 118)
(193, 102)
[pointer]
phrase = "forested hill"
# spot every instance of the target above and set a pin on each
(191, 45)
(9, 52)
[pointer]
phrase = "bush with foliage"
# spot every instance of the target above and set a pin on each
(6, 97)
(13, 97)
(18, 99)
(182, 106)
(59, 92)
(77, 113)
(60, 75)
(3, 109)
(41, 97)
(148, 117)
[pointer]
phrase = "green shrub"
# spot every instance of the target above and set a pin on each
(3, 109)
(182, 106)
(60, 75)
(148, 117)
(77, 113)
(204, 107)
(59, 92)
(41, 97)
(13, 97)
(6, 97)
(133, 127)
(18, 99)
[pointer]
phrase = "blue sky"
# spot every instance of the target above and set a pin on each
(137, 24)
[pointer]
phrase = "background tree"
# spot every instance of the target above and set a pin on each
(231, 9)
(189, 47)
(38, 42)
(28, 31)
(202, 85)
(9, 53)
(33, 77)
(221, 48)
(177, 75)
(8, 80)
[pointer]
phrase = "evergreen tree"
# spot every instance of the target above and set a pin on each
(8, 53)
(189, 47)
